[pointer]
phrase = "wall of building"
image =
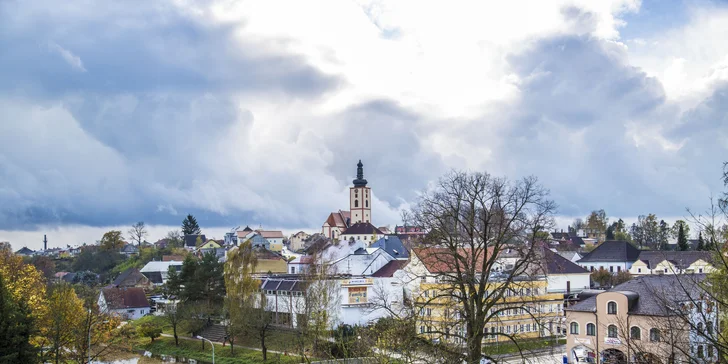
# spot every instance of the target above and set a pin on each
(271, 265)
(610, 266)
(577, 282)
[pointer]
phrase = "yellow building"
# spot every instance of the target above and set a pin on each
(210, 244)
(527, 310)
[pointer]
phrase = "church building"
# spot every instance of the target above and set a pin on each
(360, 208)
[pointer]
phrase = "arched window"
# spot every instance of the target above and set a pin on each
(700, 352)
(612, 331)
(635, 333)
(709, 325)
(700, 327)
(574, 328)
(356, 203)
(654, 335)
(591, 330)
(612, 308)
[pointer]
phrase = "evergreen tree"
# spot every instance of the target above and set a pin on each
(190, 227)
(610, 231)
(701, 242)
(191, 291)
(682, 239)
(16, 325)
(174, 283)
(210, 278)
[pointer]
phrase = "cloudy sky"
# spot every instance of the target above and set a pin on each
(256, 112)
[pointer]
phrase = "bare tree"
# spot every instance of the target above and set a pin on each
(138, 232)
(472, 220)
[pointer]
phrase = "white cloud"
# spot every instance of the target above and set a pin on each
(70, 58)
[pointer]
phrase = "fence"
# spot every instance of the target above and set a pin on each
(347, 361)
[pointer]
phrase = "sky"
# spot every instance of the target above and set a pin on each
(256, 112)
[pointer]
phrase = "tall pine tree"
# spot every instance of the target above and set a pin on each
(190, 227)
(682, 239)
(16, 325)
(701, 242)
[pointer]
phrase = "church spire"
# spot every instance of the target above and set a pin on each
(360, 181)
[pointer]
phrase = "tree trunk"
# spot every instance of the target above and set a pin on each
(232, 349)
(176, 339)
(475, 348)
(265, 349)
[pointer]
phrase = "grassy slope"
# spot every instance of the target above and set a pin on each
(193, 350)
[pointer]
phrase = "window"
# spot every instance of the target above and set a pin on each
(635, 333)
(700, 327)
(591, 269)
(574, 328)
(356, 203)
(639, 270)
(654, 335)
(619, 269)
(612, 331)
(700, 352)
(142, 312)
(366, 203)
(612, 308)
(700, 270)
(611, 269)
(710, 351)
(508, 329)
(709, 325)
(422, 329)
(429, 312)
(528, 327)
(293, 270)
(591, 330)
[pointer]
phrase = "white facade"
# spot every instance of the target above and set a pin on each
(161, 267)
(572, 282)
(613, 267)
(126, 313)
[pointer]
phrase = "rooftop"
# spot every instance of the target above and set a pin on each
(612, 251)
(121, 298)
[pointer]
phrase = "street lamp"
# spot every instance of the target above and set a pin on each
(211, 344)
(89, 336)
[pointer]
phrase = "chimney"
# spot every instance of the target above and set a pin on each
(45, 242)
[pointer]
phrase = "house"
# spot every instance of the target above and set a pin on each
(297, 240)
(361, 231)
(156, 271)
(161, 243)
(129, 250)
(409, 230)
(393, 245)
(128, 303)
(220, 253)
(563, 275)
(269, 262)
(649, 319)
(300, 265)
(612, 255)
(209, 244)
(672, 262)
(132, 277)
(193, 240)
(427, 276)
(171, 258)
(25, 252)
(274, 238)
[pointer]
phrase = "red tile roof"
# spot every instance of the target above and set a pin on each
(273, 234)
(442, 260)
(389, 268)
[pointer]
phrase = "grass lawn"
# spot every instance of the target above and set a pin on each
(193, 350)
(279, 340)
(526, 346)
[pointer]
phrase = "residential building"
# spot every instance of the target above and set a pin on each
(193, 240)
(156, 272)
(649, 319)
(672, 262)
(300, 264)
(132, 277)
(563, 275)
(210, 244)
(361, 231)
(393, 245)
(274, 239)
(527, 311)
(25, 252)
(297, 240)
(128, 303)
(572, 256)
(270, 262)
(612, 255)
(129, 250)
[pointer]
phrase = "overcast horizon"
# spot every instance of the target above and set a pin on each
(257, 112)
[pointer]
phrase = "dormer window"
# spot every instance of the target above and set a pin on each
(612, 308)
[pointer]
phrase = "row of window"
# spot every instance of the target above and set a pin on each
(635, 332)
(492, 331)
(282, 293)
(521, 292)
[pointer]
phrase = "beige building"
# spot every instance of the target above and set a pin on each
(297, 240)
(649, 319)
(672, 262)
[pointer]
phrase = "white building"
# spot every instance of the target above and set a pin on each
(614, 256)
(672, 262)
(127, 303)
(157, 271)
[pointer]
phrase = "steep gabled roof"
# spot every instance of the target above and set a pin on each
(612, 251)
(681, 259)
(191, 240)
(556, 264)
(362, 228)
(24, 251)
(132, 275)
(442, 260)
(121, 298)
(388, 269)
(392, 245)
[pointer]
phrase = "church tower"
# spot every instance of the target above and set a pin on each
(360, 195)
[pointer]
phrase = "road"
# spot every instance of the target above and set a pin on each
(551, 356)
